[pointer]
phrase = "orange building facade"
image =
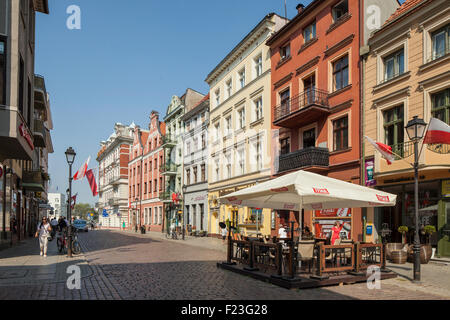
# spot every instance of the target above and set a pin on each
(316, 105)
(145, 179)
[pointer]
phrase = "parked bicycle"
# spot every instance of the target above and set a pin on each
(61, 242)
(76, 247)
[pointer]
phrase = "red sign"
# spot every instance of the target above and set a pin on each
(341, 212)
(24, 133)
(321, 190)
(383, 198)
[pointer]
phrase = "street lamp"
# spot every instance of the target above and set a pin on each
(415, 130)
(184, 214)
(135, 214)
(70, 157)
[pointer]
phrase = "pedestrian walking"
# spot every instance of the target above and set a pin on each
(224, 233)
(43, 233)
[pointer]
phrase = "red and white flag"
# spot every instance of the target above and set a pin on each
(74, 201)
(438, 132)
(91, 179)
(82, 171)
(385, 150)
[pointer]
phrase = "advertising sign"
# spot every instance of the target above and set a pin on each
(341, 212)
(370, 181)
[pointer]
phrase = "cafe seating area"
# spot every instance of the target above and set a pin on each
(295, 263)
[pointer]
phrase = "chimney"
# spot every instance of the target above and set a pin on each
(300, 8)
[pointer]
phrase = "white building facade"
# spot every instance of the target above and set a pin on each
(113, 177)
(58, 202)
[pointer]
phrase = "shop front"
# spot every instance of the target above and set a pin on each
(434, 210)
(195, 206)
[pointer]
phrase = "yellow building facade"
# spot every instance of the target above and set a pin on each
(407, 74)
(239, 133)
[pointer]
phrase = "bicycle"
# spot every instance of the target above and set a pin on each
(76, 247)
(172, 235)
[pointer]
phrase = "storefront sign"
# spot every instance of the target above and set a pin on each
(24, 133)
(321, 190)
(446, 188)
(370, 181)
(342, 212)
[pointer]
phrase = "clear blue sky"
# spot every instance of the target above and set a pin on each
(129, 58)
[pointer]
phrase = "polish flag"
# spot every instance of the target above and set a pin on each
(91, 179)
(74, 201)
(385, 150)
(82, 171)
(438, 132)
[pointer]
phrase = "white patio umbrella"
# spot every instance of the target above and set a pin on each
(310, 191)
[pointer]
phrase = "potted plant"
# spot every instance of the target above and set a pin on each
(429, 231)
(403, 230)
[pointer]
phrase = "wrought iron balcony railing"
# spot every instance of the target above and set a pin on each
(39, 133)
(303, 158)
(403, 149)
(168, 168)
(168, 140)
(309, 97)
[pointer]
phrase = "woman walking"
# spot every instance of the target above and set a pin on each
(43, 233)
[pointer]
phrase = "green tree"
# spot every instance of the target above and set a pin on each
(82, 210)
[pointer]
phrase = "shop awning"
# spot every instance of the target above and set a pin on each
(33, 187)
(310, 191)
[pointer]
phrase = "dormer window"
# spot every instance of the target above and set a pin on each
(309, 33)
(285, 52)
(339, 10)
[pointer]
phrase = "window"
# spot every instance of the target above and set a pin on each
(309, 138)
(285, 97)
(145, 167)
(256, 215)
(394, 129)
(339, 10)
(228, 165)
(340, 134)
(203, 169)
(229, 85)
(150, 216)
(156, 185)
(216, 131)
(217, 170)
(309, 86)
(188, 176)
(393, 65)
(160, 184)
(340, 73)
(241, 118)
(150, 186)
(195, 169)
(156, 164)
(440, 105)
(258, 155)
(145, 187)
(195, 141)
(188, 148)
(258, 108)
(228, 129)
(217, 93)
(203, 141)
(285, 146)
(242, 78)
(309, 33)
(150, 166)
(285, 52)
(258, 66)
(440, 40)
(241, 161)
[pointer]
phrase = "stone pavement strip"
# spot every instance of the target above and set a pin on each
(122, 265)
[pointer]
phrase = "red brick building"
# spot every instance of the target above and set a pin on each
(316, 102)
(145, 179)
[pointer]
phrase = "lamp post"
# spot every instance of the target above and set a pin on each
(135, 214)
(415, 130)
(184, 212)
(70, 157)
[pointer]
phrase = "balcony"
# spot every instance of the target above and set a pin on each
(308, 157)
(39, 133)
(168, 169)
(302, 109)
(115, 201)
(166, 196)
(33, 181)
(40, 93)
(168, 142)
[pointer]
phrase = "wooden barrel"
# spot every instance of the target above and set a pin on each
(399, 256)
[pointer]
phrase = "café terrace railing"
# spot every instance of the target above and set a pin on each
(280, 259)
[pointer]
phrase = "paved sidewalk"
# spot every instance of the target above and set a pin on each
(22, 264)
(203, 242)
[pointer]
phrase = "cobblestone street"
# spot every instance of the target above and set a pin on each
(122, 265)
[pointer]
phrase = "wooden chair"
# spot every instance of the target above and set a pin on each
(305, 252)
